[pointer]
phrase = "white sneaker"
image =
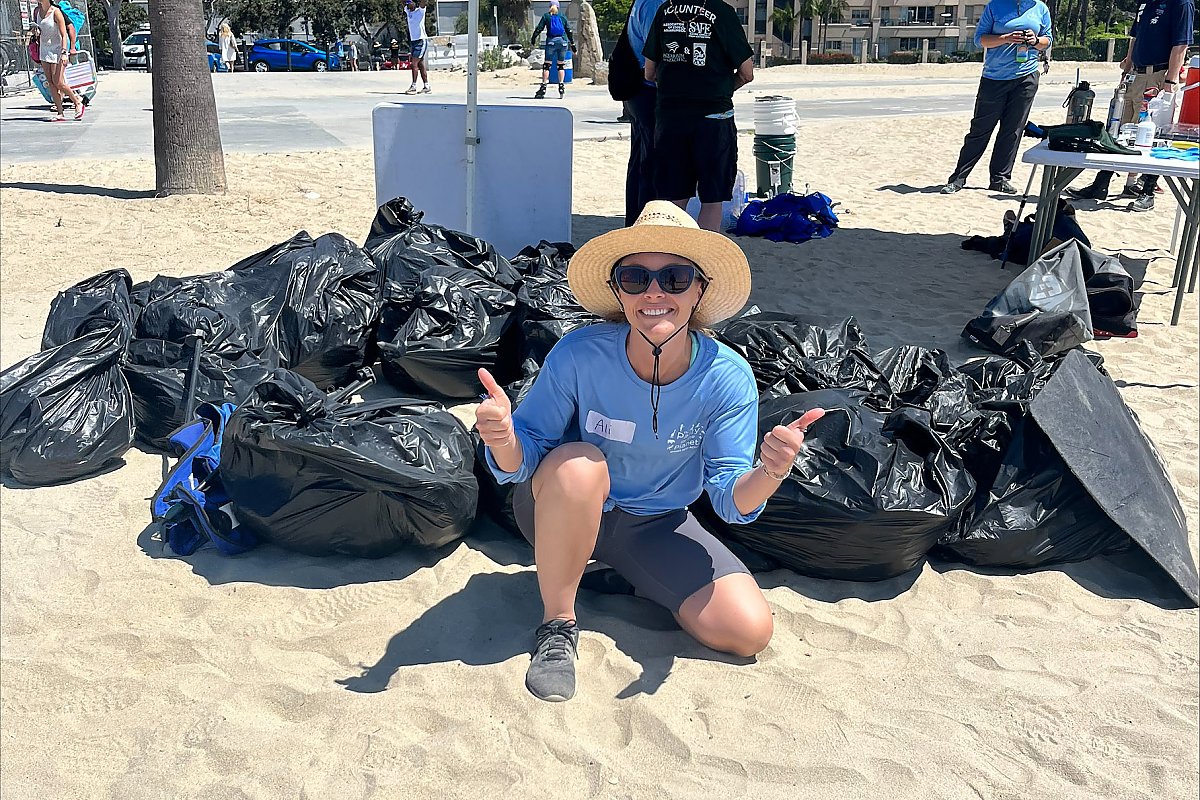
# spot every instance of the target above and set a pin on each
(411, 90)
(426, 90)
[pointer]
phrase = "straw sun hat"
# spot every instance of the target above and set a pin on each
(663, 227)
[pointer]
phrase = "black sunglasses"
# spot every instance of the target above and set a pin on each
(673, 278)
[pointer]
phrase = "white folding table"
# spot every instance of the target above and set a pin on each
(1182, 177)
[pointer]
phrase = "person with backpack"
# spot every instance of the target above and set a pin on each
(558, 39)
(54, 52)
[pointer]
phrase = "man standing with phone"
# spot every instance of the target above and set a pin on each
(418, 41)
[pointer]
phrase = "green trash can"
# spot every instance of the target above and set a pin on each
(773, 159)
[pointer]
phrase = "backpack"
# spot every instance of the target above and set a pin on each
(74, 15)
(192, 504)
(625, 74)
(556, 27)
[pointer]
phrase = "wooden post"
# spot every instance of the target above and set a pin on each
(1112, 50)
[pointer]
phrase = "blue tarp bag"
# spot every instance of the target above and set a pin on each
(556, 28)
(192, 503)
(788, 218)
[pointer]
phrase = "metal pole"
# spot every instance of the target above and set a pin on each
(472, 108)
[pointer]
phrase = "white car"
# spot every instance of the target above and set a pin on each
(135, 47)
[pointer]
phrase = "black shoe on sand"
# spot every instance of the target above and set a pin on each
(1089, 192)
(551, 674)
(1002, 186)
(951, 187)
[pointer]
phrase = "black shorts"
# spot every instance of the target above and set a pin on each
(667, 557)
(694, 155)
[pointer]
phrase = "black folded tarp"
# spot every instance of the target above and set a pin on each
(870, 493)
(323, 477)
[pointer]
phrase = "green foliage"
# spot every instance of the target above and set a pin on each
(462, 23)
(784, 19)
(1099, 48)
(492, 59)
(1065, 52)
(130, 18)
(610, 16)
(903, 57)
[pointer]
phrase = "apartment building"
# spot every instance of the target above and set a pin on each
(880, 26)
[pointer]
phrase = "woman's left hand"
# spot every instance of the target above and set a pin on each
(782, 443)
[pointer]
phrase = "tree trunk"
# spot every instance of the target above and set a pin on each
(112, 10)
(187, 141)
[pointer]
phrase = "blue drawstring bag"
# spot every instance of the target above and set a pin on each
(192, 504)
(788, 218)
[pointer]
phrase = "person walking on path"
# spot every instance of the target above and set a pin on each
(54, 55)
(228, 45)
(1012, 33)
(558, 39)
(419, 42)
(639, 175)
(696, 52)
(600, 473)
(1158, 43)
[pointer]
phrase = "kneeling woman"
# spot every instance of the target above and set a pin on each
(626, 424)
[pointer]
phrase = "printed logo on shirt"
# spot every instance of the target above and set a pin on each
(674, 27)
(616, 430)
(683, 439)
(673, 55)
(699, 30)
(699, 54)
(690, 10)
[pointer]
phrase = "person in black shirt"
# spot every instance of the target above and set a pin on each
(697, 53)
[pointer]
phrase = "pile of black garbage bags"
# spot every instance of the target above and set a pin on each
(913, 457)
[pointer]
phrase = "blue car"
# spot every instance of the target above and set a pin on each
(215, 64)
(272, 54)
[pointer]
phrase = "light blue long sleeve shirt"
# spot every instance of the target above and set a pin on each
(707, 423)
(640, 21)
(1010, 61)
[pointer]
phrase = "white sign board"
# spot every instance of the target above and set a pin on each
(523, 168)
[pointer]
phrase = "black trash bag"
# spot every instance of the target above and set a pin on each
(321, 477)
(456, 322)
(546, 307)
(789, 355)
(1046, 305)
(404, 247)
(158, 371)
(95, 304)
(870, 493)
(1034, 514)
(1110, 291)
(66, 412)
(327, 324)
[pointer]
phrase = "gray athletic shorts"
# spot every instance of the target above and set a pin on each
(667, 557)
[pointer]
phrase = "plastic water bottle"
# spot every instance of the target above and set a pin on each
(1160, 110)
(1145, 132)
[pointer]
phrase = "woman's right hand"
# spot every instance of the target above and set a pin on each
(493, 416)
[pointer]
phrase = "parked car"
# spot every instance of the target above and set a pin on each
(134, 47)
(272, 54)
(215, 64)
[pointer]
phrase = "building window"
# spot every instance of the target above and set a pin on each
(834, 45)
(860, 13)
(908, 43)
(917, 15)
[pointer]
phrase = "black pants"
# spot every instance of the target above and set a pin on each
(1006, 103)
(1149, 182)
(639, 176)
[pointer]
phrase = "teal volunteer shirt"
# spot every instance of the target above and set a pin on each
(1011, 61)
(587, 391)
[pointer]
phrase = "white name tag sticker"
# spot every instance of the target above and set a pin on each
(617, 430)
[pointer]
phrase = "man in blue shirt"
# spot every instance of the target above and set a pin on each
(1012, 33)
(1158, 43)
(639, 175)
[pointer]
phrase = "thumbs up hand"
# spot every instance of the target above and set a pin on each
(493, 417)
(782, 444)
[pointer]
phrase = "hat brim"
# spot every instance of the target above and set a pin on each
(721, 261)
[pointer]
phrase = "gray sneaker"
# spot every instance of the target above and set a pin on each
(1143, 203)
(952, 187)
(551, 673)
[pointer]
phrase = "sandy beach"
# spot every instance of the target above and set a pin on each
(129, 673)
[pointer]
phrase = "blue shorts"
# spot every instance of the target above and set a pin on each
(556, 50)
(419, 47)
(667, 557)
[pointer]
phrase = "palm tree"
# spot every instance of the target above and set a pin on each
(784, 19)
(187, 141)
(829, 10)
(805, 9)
